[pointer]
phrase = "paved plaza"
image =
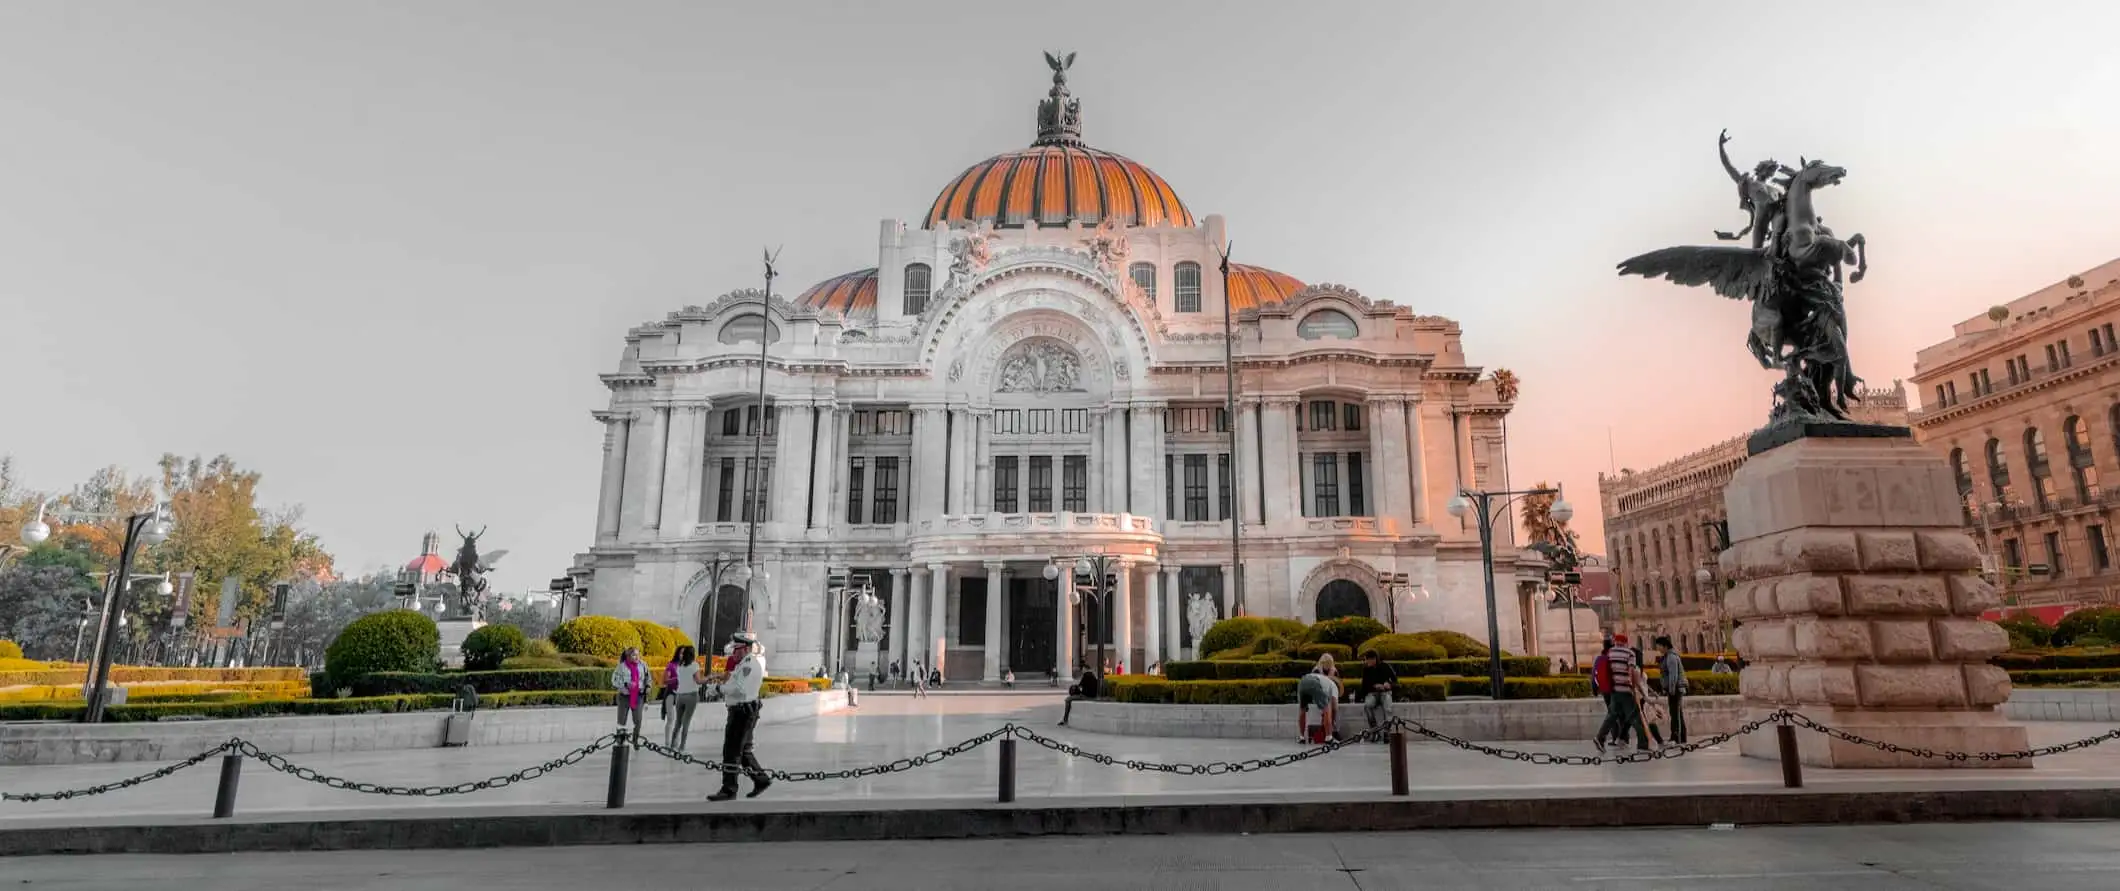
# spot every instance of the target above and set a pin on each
(1961, 857)
(889, 727)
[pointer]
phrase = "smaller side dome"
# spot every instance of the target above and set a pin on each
(854, 292)
(1253, 286)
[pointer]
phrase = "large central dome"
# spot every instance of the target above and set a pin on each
(1058, 179)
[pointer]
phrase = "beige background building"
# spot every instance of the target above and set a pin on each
(1656, 531)
(2024, 402)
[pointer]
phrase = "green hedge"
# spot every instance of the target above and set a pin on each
(603, 636)
(9, 649)
(395, 683)
(1340, 653)
(1224, 670)
(1282, 691)
(1702, 683)
(2065, 677)
(2060, 660)
(397, 640)
(526, 663)
(490, 645)
(1348, 631)
(1403, 648)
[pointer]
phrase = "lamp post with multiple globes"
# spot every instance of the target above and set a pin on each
(1100, 569)
(145, 528)
(1489, 505)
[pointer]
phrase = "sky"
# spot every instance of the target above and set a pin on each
(380, 251)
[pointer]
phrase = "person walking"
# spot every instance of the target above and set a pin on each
(683, 675)
(919, 682)
(1622, 712)
(1673, 667)
(846, 682)
(1317, 689)
(630, 679)
(739, 690)
(1378, 678)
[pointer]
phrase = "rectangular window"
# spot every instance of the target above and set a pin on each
(725, 492)
(883, 499)
(1005, 483)
(1074, 483)
(757, 478)
(1144, 276)
(1008, 421)
(1321, 418)
(861, 423)
(1170, 486)
(1940, 400)
(857, 476)
(1074, 420)
(2110, 343)
(2024, 367)
(2065, 360)
(917, 285)
(1222, 419)
(2101, 556)
(2053, 360)
(1196, 488)
(1041, 420)
(1953, 386)
(1351, 417)
(1325, 484)
(1186, 287)
(2097, 342)
(1987, 384)
(2053, 555)
(897, 422)
(1222, 485)
(1041, 486)
(2012, 554)
(1357, 499)
(2011, 366)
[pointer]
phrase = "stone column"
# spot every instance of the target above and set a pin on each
(658, 466)
(1173, 613)
(964, 461)
(1250, 485)
(937, 646)
(1063, 591)
(842, 470)
(996, 648)
(1278, 455)
(983, 455)
(930, 473)
(1122, 612)
(1387, 459)
(1114, 463)
(899, 623)
(1151, 620)
(1229, 593)
(916, 618)
(824, 469)
(1462, 432)
(642, 465)
(790, 495)
(1146, 462)
(1861, 607)
(610, 495)
(1417, 460)
(681, 470)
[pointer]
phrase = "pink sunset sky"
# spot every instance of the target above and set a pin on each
(329, 238)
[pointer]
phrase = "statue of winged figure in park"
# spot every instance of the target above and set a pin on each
(1791, 274)
(470, 570)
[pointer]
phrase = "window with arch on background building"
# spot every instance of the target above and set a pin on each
(2035, 460)
(919, 283)
(1327, 324)
(1998, 461)
(745, 328)
(1144, 276)
(1185, 287)
(2082, 464)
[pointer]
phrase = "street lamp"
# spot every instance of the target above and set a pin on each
(1471, 500)
(1397, 589)
(1101, 571)
(758, 442)
(148, 528)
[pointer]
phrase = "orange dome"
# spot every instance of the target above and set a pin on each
(1054, 184)
(1250, 286)
(849, 293)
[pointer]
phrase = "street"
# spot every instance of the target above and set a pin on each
(1963, 857)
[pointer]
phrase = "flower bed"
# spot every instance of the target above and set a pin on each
(132, 674)
(1282, 691)
(1260, 669)
(152, 690)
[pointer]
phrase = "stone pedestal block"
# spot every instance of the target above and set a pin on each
(1859, 604)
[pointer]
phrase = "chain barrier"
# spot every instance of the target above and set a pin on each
(126, 783)
(281, 764)
(1675, 750)
(1212, 768)
(901, 765)
(1799, 720)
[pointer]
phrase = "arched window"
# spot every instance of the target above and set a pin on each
(745, 328)
(2112, 425)
(1963, 477)
(1327, 324)
(1340, 598)
(1185, 286)
(2081, 463)
(918, 284)
(1144, 276)
(2042, 472)
(1998, 462)
(720, 616)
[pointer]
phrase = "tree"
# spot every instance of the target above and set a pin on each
(41, 605)
(318, 612)
(218, 531)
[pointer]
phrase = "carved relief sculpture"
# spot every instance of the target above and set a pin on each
(868, 620)
(1040, 366)
(1108, 246)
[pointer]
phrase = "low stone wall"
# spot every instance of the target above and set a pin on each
(1486, 720)
(2047, 704)
(296, 735)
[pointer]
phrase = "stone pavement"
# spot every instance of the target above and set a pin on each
(1965, 857)
(887, 728)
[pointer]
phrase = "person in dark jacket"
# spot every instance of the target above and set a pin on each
(1378, 679)
(1086, 688)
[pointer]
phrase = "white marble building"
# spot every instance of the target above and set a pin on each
(1035, 370)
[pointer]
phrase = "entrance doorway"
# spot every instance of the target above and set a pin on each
(1341, 598)
(719, 617)
(1033, 627)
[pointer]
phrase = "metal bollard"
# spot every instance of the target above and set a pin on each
(1008, 771)
(620, 754)
(1791, 765)
(1400, 784)
(224, 798)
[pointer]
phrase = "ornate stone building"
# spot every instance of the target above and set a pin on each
(1657, 526)
(1034, 371)
(2024, 402)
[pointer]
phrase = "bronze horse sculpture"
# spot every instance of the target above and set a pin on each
(470, 570)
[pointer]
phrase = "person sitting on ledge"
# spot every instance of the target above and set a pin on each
(1086, 688)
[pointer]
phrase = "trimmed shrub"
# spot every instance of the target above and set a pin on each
(1273, 645)
(656, 645)
(1698, 683)
(528, 663)
(9, 649)
(1340, 653)
(1456, 645)
(2093, 640)
(392, 683)
(540, 649)
(2055, 660)
(397, 640)
(2064, 677)
(1232, 634)
(1290, 669)
(596, 636)
(1348, 631)
(2027, 632)
(1282, 691)
(2081, 623)
(1401, 647)
(489, 646)
(1286, 628)
(584, 660)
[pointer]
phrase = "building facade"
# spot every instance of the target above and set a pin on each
(2024, 402)
(1658, 526)
(1034, 371)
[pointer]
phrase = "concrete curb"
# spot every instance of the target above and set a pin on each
(525, 827)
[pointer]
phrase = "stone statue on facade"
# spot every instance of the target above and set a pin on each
(1108, 246)
(470, 570)
(868, 620)
(1200, 615)
(970, 253)
(1060, 115)
(1793, 278)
